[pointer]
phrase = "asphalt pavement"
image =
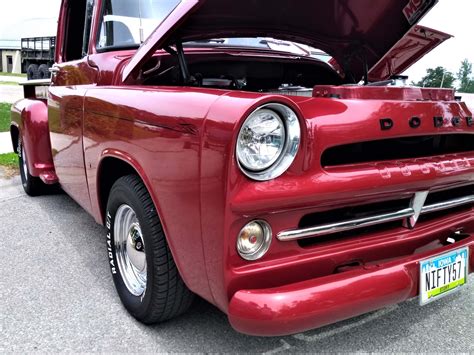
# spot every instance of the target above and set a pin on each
(5, 143)
(12, 79)
(56, 294)
(10, 93)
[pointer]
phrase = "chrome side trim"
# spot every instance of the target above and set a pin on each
(344, 226)
(407, 213)
(440, 206)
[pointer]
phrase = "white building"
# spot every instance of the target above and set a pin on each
(10, 56)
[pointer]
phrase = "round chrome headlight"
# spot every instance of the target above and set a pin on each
(268, 142)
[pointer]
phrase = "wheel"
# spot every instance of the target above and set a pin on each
(31, 184)
(43, 72)
(144, 272)
(32, 72)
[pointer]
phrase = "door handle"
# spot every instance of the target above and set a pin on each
(54, 70)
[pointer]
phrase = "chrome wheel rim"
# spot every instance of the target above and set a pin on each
(130, 250)
(23, 165)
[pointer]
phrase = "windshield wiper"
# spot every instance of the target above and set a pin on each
(287, 44)
(214, 40)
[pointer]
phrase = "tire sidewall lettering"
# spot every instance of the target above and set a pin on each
(110, 248)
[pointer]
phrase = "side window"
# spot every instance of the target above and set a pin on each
(127, 23)
(74, 30)
(87, 27)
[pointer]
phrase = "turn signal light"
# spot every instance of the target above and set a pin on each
(254, 240)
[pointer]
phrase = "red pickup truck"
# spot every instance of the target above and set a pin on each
(267, 157)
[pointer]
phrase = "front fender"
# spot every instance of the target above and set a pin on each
(221, 178)
(30, 117)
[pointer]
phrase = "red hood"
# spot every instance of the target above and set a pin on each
(414, 45)
(346, 29)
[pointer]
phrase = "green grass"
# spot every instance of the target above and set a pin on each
(9, 160)
(8, 83)
(4, 117)
(13, 74)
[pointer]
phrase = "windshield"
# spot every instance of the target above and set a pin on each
(264, 43)
(127, 23)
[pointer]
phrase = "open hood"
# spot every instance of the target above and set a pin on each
(352, 31)
(407, 51)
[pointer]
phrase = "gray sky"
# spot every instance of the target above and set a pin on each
(23, 18)
(456, 18)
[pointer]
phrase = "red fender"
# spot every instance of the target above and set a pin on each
(30, 117)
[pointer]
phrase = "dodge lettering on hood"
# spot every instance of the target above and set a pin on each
(268, 157)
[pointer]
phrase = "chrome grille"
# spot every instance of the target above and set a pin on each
(422, 203)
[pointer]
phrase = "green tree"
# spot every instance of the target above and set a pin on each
(437, 78)
(466, 80)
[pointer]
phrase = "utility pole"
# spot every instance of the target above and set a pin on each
(442, 80)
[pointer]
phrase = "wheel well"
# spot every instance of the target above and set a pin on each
(15, 134)
(110, 170)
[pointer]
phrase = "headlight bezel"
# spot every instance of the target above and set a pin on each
(292, 132)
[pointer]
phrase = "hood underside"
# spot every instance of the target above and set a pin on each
(354, 32)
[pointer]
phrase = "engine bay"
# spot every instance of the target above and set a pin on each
(273, 74)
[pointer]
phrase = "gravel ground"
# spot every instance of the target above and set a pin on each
(56, 294)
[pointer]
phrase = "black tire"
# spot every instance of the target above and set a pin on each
(32, 72)
(43, 72)
(165, 296)
(32, 185)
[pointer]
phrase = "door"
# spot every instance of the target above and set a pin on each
(9, 63)
(72, 76)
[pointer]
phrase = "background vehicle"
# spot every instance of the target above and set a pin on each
(288, 191)
(37, 56)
